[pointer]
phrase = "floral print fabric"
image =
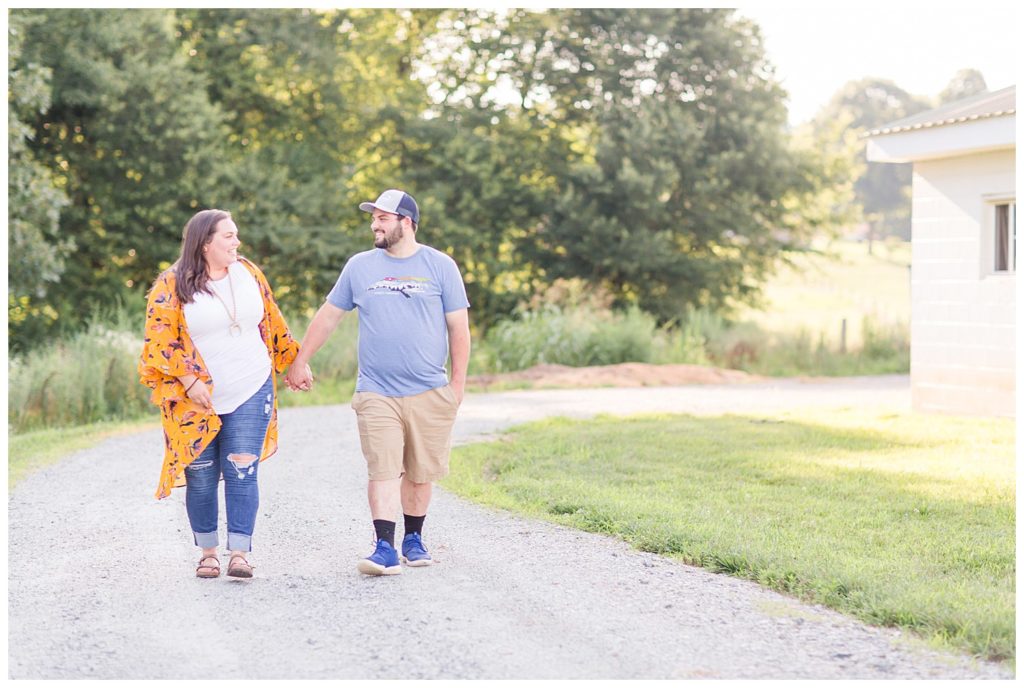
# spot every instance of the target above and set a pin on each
(168, 353)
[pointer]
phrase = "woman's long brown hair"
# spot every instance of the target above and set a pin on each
(190, 268)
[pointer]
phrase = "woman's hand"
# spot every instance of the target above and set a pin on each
(200, 393)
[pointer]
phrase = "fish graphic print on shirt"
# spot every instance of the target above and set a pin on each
(402, 302)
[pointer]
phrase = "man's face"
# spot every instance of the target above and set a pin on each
(387, 229)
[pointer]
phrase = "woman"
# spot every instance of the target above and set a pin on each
(214, 340)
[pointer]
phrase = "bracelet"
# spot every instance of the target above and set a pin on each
(191, 385)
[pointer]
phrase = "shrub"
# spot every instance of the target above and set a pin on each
(86, 378)
(90, 376)
(579, 336)
(687, 341)
(582, 335)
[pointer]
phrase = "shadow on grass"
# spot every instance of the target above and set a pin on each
(780, 502)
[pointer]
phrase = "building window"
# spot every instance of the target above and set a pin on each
(1005, 226)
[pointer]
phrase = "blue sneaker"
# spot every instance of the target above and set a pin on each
(413, 551)
(383, 561)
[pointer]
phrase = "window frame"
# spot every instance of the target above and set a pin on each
(990, 245)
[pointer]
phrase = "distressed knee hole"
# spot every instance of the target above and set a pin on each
(196, 465)
(241, 462)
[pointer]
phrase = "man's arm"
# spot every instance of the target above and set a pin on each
(320, 328)
(458, 345)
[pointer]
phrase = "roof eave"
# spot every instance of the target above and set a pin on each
(939, 123)
(980, 135)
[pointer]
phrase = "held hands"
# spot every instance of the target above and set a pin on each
(299, 378)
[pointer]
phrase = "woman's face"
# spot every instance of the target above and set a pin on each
(222, 249)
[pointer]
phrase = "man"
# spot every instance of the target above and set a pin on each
(412, 307)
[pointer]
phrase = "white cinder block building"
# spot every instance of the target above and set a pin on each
(963, 238)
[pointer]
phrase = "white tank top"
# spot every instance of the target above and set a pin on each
(239, 365)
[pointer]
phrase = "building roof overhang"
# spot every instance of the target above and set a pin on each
(979, 136)
(982, 123)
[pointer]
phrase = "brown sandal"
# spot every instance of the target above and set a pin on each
(208, 570)
(241, 570)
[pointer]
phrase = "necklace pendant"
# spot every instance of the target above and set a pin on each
(235, 329)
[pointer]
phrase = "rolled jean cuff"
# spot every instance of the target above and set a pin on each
(206, 540)
(239, 542)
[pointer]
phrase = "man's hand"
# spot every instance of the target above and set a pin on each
(459, 387)
(458, 344)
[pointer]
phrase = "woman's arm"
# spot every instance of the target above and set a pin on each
(163, 353)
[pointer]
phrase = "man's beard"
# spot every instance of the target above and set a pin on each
(389, 239)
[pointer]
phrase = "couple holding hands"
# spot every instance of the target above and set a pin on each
(215, 340)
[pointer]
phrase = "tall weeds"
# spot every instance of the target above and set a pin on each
(582, 335)
(87, 377)
(91, 376)
(575, 337)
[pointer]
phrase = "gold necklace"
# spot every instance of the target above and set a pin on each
(234, 329)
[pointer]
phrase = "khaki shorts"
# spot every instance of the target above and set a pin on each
(406, 435)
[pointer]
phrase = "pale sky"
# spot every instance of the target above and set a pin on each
(919, 46)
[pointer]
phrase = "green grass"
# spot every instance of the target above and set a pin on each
(819, 291)
(31, 451)
(899, 520)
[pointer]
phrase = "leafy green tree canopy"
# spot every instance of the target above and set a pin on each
(34, 199)
(667, 163)
(882, 190)
(134, 138)
(644, 152)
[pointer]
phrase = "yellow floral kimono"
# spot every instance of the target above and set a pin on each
(168, 353)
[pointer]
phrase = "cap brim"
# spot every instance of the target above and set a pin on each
(368, 207)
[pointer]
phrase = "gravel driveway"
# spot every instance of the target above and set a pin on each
(101, 578)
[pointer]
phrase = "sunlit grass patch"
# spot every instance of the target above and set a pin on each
(904, 520)
(820, 290)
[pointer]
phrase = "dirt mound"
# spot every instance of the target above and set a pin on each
(618, 375)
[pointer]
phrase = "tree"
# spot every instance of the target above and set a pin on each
(134, 140)
(643, 151)
(313, 100)
(674, 174)
(882, 190)
(482, 189)
(965, 83)
(36, 250)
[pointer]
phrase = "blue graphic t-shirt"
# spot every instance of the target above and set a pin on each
(403, 336)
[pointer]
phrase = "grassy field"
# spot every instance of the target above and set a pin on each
(842, 282)
(899, 520)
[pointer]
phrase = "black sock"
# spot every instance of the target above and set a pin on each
(385, 531)
(414, 524)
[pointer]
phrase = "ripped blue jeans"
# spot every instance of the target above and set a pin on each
(233, 453)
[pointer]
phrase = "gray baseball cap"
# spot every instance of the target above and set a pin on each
(394, 201)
